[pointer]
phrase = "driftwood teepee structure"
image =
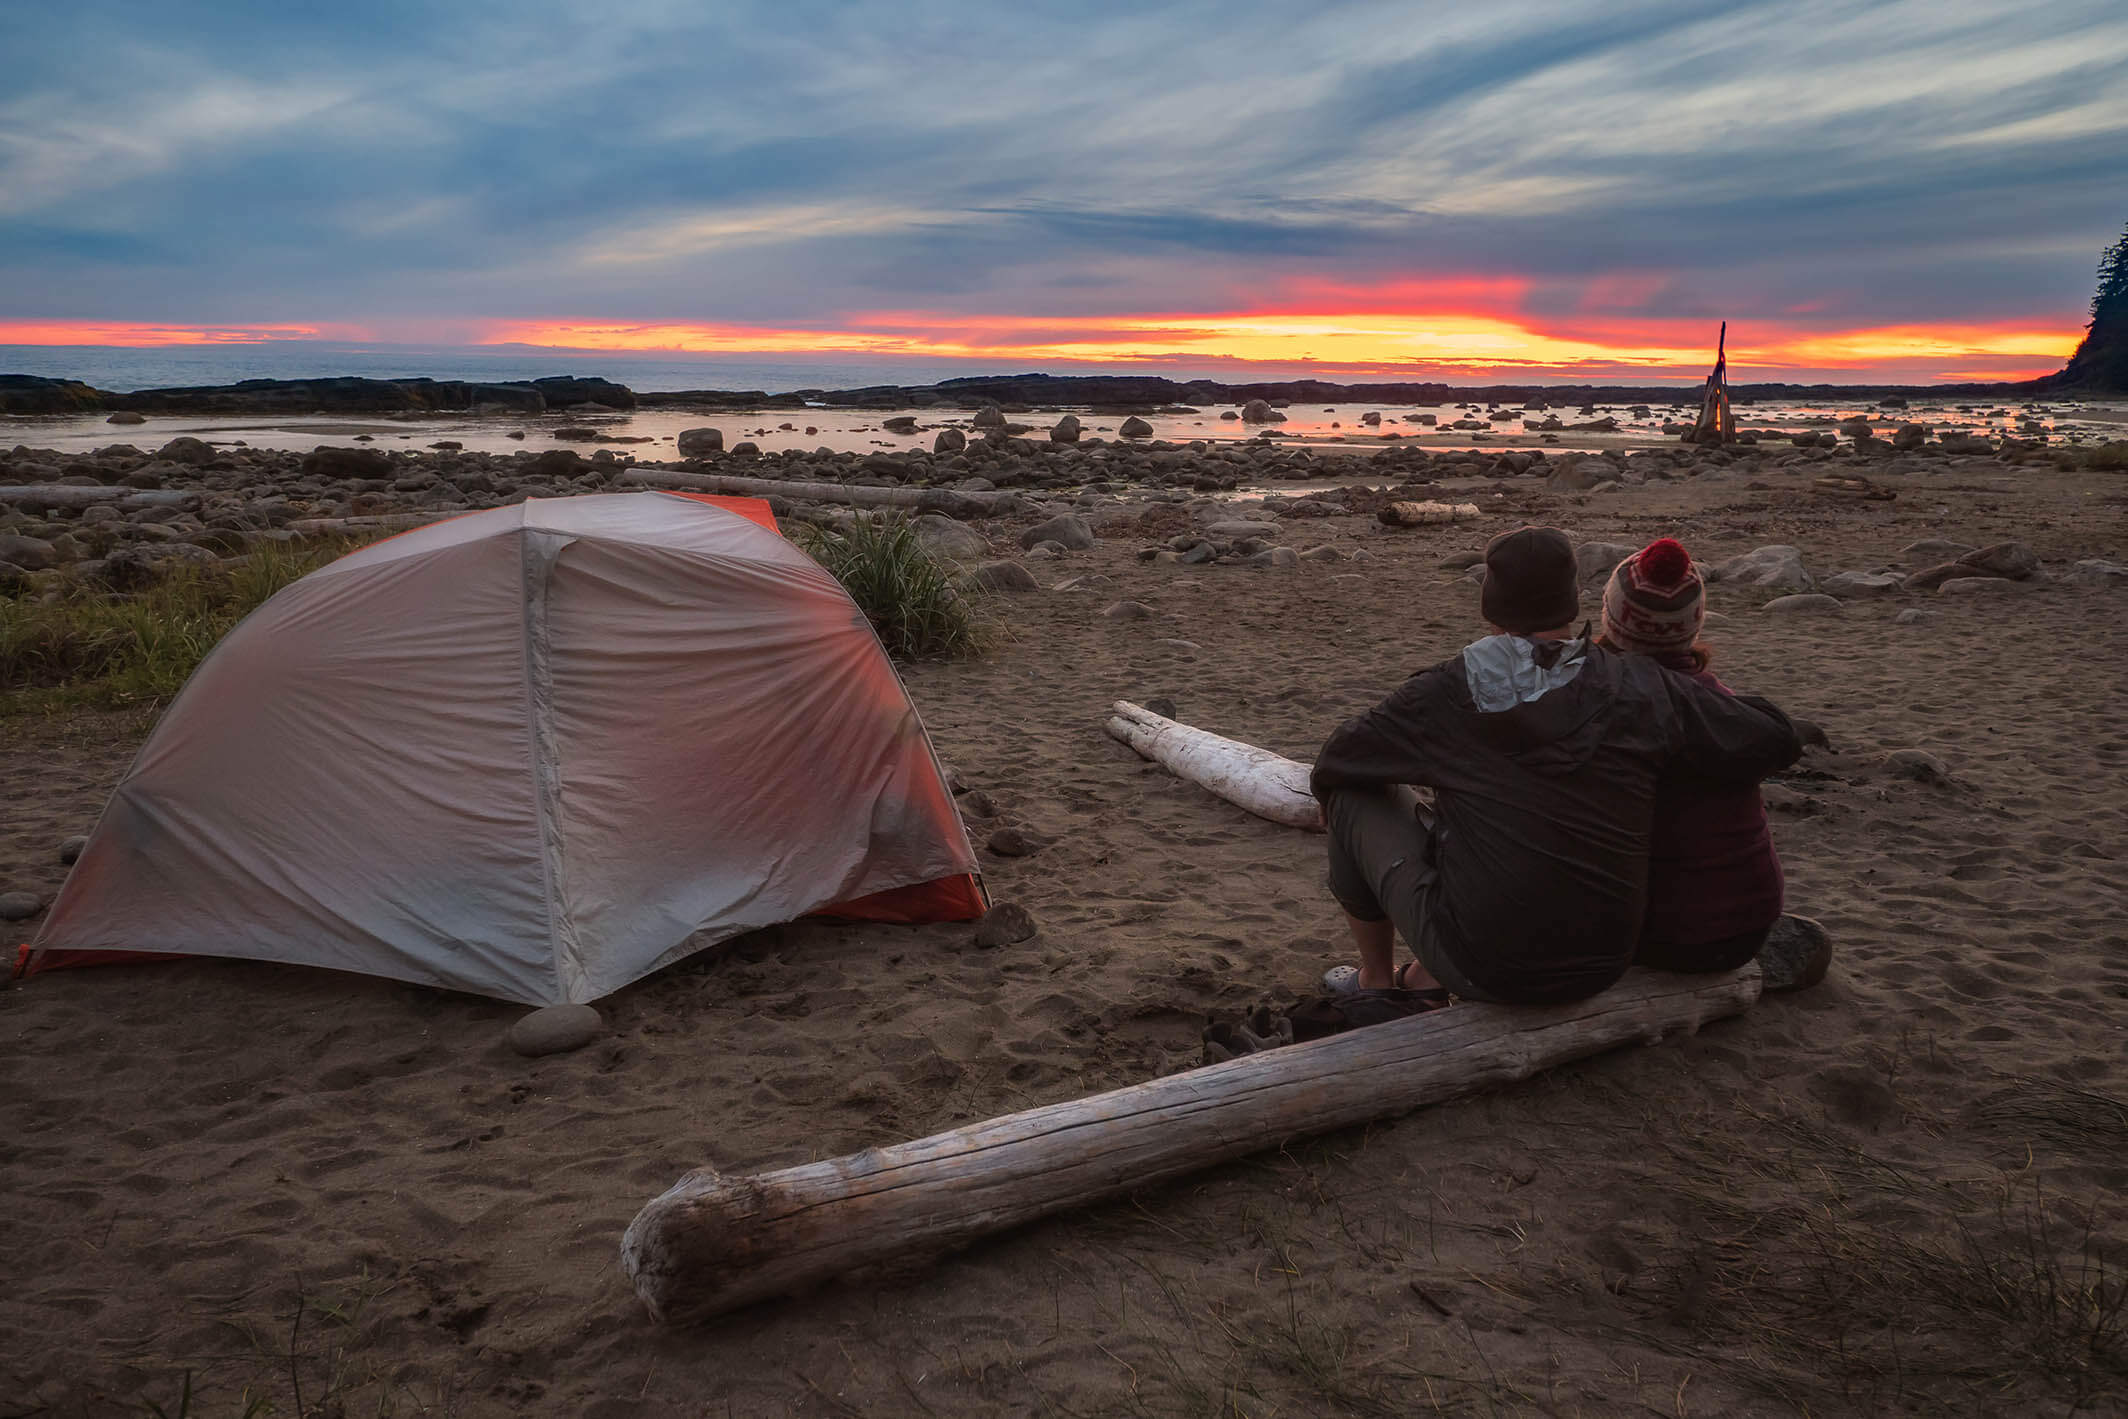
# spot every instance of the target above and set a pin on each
(1717, 421)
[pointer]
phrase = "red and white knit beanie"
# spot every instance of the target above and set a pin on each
(1655, 602)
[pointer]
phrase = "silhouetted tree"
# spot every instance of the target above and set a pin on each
(2100, 364)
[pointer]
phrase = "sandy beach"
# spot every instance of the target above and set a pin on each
(1890, 1194)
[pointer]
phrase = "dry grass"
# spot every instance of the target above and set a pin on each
(1822, 1275)
(93, 649)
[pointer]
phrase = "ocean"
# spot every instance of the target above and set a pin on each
(126, 368)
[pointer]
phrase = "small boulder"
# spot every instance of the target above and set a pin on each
(1259, 411)
(1578, 477)
(1808, 603)
(700, 443)
(1929, 578)
(1796, 954)
(186, 450)
(1011, 842)
(2013, 560)
(1002, 925)
(1068, 530)
(1979, 586)
(31, 554)
(1593, 561)
(71, 850)
(2096, 572)
(1129, 611)
(127, 416)
(988, 417)
(1915, 616)
(1066, 430)
(555, 1030)
(949, 539)
(1004, 576)
(1230, 531)
(1854, 586)
(1931, 550)
(346, 463)
(899, 424)
(19, 906)
(949, 441)
(1135, 428)
(1918, 765)
(1463, 561)
(1776, 568)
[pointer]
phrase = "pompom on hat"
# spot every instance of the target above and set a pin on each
(1655, 601)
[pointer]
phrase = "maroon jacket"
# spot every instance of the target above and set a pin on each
(1712, 872)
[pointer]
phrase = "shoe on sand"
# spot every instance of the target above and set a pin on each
(1341, 980)
(1797, 953)
(1261, 1030)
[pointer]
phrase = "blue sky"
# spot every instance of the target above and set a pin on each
(430, 171)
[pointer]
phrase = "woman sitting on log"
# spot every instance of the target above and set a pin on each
(1714, 880)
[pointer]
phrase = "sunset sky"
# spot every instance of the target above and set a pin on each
(1904, 191)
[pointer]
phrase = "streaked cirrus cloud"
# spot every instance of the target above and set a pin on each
(1916, 187)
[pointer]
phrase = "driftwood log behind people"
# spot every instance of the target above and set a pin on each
(1254, 779)
(713, 1243)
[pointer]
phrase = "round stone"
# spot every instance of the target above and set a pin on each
(555, 1030)
(1004, 924)
(19, 906)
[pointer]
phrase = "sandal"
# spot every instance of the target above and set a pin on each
(1345, 980)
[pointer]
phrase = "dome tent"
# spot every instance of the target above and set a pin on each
(534, 753)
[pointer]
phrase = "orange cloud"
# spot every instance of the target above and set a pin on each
(1348, 340)
(136, 334)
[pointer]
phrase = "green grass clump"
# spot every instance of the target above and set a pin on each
(97, 649)
(908, 595)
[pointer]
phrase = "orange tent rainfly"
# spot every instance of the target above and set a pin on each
(534, 753)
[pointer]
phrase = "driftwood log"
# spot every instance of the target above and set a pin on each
(1425, 514)
(39, 496)
(374, 522)
(945, 500)
(1254, 779)
(712, 1244)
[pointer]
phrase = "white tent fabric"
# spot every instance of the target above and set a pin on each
(533, 753)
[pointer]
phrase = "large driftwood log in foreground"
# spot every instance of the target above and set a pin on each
(1258, 780)
(711, 1243)
(943, 500)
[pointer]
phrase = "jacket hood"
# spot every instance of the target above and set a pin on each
(1557, 731)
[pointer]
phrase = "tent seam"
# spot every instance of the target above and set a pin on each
(534, 602)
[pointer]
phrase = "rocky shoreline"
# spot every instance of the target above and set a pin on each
(121, 517)
(1119, 394)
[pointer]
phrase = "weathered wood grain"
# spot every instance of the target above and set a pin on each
(712, 1243)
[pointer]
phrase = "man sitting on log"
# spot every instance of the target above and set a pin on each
(1524, 879)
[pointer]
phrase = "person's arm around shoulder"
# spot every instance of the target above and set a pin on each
(1387, 744)
(1726, 737)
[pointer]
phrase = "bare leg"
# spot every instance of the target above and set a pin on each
(1377, 946)
(1376, 941)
